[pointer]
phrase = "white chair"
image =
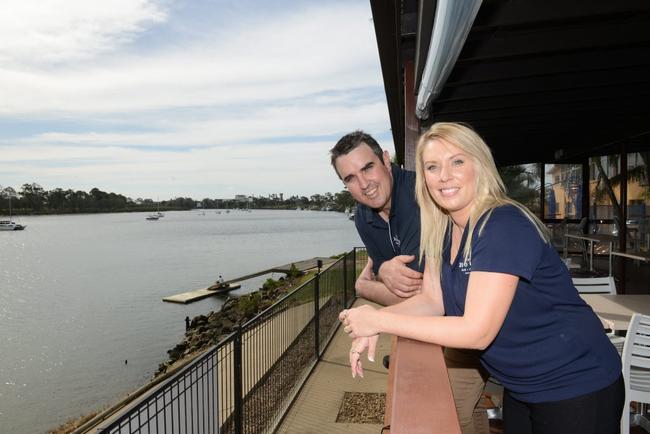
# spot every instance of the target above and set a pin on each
(636, 369)
(595, 285)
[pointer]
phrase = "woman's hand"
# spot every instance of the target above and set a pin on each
(360, 321)
(357, 348)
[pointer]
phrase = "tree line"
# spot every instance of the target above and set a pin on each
(32, 198)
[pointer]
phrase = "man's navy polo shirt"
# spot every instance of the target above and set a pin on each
(551, 345)
(401, 236)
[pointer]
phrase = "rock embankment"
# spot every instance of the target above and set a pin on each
(207, 330)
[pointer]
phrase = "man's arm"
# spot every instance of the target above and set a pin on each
(399, 278)
(373, 290)
(402, 274)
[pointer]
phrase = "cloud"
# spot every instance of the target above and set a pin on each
(291, 167)
(57, 31)
(148, 99)
(265, 124)
(276, 58)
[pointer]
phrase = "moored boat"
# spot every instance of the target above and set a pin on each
(8, 225)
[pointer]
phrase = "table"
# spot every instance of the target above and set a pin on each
(615, 311)
(645, 257)
(593, 238)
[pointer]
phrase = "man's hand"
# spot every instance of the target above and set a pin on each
(400, 279)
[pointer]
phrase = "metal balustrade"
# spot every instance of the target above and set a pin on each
(247, 382)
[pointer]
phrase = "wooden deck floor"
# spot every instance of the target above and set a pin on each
(317, 406)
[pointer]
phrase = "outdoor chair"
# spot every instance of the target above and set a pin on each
(636, 370)
(595, 285)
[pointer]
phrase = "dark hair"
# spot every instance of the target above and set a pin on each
(351, 141)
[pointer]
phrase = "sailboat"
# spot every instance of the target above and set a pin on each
(158, 213)
(9, 225)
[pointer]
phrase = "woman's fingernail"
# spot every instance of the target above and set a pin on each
(372, 359)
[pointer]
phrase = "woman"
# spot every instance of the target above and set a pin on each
(503, 289)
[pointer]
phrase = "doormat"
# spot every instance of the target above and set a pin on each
(358, 407)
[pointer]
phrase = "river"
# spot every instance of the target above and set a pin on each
(82, 320)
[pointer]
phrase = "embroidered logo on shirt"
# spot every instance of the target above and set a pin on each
(465, 266)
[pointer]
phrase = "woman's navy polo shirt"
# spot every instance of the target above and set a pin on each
(551, 345)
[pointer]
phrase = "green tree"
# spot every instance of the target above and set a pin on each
(343, 201)
(34, 196)
(522, 182)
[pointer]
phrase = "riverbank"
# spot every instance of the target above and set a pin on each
(207, 330)
(22, 212)
(204, 331)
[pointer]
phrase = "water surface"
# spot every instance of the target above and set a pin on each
(81, 294)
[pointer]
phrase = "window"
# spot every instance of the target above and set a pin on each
(638, 202)
(563, 190)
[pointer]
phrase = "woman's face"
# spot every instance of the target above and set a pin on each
(450, 177)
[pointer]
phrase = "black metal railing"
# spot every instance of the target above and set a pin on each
(247, 382)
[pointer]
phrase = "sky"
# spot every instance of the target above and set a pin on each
(201, 98)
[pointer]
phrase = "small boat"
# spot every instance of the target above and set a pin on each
(220, 287)
(158, 213)
(8, 225)
(152, 217)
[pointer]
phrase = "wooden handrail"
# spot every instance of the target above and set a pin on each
(419, 398)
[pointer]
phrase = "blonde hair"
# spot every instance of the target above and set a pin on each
(490, 192)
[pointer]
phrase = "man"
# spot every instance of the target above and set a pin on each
(387, 218)
(388, 221)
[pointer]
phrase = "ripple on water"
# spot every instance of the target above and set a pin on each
(77, 303)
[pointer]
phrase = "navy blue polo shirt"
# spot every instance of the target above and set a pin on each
(401, 235)
(551, 345)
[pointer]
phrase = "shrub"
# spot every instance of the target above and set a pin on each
(294, 272)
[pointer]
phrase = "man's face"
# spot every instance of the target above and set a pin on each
(366, 177)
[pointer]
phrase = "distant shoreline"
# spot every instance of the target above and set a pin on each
(18, 213)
